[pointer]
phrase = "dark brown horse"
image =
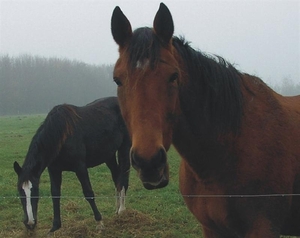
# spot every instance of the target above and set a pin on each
(74, 139)
(238, 139)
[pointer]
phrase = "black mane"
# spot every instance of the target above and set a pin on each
(212, 97)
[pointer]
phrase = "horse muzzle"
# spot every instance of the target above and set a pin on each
(163, 182)
(153, 172)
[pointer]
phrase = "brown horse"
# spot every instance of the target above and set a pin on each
(238, 139)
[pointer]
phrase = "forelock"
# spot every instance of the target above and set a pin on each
(144, 48)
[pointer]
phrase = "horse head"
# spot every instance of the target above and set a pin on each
(147, 74)
(28, 188)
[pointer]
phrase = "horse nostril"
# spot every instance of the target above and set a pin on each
(156, 161)
(134, 161)
(160, 159)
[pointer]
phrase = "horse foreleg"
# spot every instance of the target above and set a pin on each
(208, 233)
(55, 181)
(88, 192)
(262, 227)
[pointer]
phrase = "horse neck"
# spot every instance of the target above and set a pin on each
(35, 161)
(207, 154)
(211, 113)
(33, 170)
(50, 137)
(210, 94)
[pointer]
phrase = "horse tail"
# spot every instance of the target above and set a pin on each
(59, 124)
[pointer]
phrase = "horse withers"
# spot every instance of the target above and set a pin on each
(74, 139)
(238, 139)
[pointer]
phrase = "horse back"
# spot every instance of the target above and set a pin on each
(98, 134)
(268, 151)
(102, 118)
(270, 128)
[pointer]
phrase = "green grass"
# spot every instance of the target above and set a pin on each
(155, 213)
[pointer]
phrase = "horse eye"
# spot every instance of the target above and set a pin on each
(118, 81)
(173, 77)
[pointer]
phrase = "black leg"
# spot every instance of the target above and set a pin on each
(55, 180)
(115, 174)
(84, 179)
(114, 169)
(120, 173)
(124, 163)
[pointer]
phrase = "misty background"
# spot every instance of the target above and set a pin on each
(62, 51)
(33, 84)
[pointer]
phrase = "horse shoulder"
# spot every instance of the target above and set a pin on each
(200, 197)
(291, 106)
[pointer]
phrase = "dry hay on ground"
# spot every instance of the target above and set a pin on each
(131, 223)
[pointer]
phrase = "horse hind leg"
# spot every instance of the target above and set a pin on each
(124, 171)
(120, 190)
(120, 201)
(88, 192)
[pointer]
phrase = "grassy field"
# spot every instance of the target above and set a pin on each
(156, 213)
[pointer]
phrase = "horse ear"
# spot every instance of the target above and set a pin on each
(163, 24)
(120, 27)
(17, 168)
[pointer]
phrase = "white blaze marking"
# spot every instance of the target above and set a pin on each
(142, 65)
(27, 189)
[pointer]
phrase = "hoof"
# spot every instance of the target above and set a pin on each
(120, 210)
(98, 217)
(50, 233)
(30, 232)
(56, 226)
(100, 227)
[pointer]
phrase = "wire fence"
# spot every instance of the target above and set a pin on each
(161, 196)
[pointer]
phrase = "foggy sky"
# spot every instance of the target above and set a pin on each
(260, 37)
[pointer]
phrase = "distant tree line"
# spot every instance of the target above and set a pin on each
(33, 84)
(287, 87)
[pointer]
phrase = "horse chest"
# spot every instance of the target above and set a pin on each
(210, 210)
